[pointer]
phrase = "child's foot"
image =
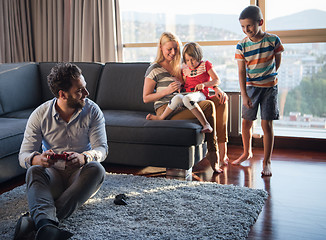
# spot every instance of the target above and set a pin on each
(242, 158)
(267, 170)
(207, 129)
(214, 161)
(224, 162)
(152, 117)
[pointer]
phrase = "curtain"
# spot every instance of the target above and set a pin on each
(15, 31)
(93, 31)
(49, 23)
(60, 30)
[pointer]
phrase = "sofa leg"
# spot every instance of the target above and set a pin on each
(179, 173)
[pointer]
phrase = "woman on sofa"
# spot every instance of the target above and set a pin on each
(160, 84)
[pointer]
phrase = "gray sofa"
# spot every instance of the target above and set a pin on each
(117, 89)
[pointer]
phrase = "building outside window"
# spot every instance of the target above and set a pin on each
(301, 25)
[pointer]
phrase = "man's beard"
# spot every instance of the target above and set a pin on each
(74, 103)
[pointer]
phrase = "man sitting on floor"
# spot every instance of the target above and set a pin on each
(71, 130)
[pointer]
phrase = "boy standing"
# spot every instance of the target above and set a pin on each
(259, 57)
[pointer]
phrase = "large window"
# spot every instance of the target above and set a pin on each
(294, 14)
(214, 25)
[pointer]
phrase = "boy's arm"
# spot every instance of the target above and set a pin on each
(242, 81)
(278, 58)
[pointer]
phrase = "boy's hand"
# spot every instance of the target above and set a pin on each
(247, 101)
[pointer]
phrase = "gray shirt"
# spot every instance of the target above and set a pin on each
(84, 133)
(162, 78)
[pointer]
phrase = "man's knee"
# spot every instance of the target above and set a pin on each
(94, 170)
(35, 172)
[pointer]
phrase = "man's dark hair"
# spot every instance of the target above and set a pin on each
(251, 12)
(61, 76)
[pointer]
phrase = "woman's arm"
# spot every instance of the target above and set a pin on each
(148, 91)
(215, 79)
(214, 82)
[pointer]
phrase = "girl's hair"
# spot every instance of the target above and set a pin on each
(193, 50)
(175, 64)
(251, 12)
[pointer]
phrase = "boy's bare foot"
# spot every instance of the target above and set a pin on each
(152, 117)
(207, 129)
(213, 160)
(242, 158)
(267, 170)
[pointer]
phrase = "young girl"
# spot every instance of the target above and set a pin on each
(198, 75)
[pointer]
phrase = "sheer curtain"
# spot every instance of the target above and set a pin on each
(60, 30)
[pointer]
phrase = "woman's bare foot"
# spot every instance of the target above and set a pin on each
(242, 158)
(224, 159)
(267, 170)
(213, 159)
(207, 129)
(152, 117)
(224, 162)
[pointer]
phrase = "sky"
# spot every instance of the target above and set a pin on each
(214, 6)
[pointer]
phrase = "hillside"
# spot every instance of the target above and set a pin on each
(303, 20)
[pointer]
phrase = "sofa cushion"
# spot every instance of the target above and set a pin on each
(11, 135)
(19, 114)
(121, 87)
(19, 87)
(90, 71)
(132, 127)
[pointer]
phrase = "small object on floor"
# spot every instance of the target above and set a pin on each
(120, 199)
(52, 232)
(24, 227)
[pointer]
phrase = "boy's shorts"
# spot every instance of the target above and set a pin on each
(266, 98)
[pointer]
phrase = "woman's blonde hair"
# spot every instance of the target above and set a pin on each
(176, 62)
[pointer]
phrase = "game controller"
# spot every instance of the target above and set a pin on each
(120, 199)
(63, 156)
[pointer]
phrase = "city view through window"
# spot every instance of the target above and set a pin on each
(302, 75)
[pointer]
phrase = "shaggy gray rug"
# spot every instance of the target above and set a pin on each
(158, 208)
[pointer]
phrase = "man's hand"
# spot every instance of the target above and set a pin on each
(44, 159)
(75, 159)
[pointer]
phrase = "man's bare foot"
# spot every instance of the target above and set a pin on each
(152, 117)
(214, 161)
(267, 170)
(242, 158)
(207, 129)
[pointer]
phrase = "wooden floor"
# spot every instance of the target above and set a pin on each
(296, 207)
